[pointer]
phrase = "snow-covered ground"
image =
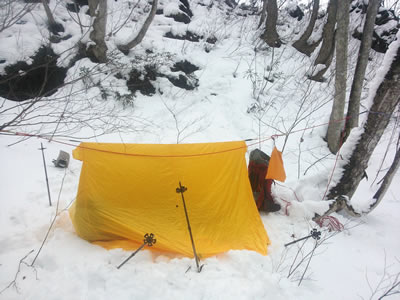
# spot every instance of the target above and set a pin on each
(234, 101)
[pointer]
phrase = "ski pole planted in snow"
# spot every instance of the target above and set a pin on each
(45, 172)
(315, 234)
(149, 240)
(181, 189)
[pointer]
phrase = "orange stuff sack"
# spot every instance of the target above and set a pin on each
(276, 169)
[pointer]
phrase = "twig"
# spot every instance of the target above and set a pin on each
(14, 282)
(308, 263)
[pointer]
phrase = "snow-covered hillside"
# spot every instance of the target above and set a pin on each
(216, 82)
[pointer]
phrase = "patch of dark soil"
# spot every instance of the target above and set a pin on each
(189, 36)
(185, 67)
(41, 78)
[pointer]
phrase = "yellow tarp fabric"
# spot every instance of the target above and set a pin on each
(127, 190)
(276, 170)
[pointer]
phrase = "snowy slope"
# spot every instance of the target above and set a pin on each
(242, 93)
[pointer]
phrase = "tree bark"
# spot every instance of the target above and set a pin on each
(301, 44)
(98, 11)
(138, 39)
(263, 13)
(387, 180)
(270, 35)
(335, 127)
(353, 109)
(327, 49)
(54, 27)
(386, 99)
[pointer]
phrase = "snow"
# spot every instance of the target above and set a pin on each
(348, 265)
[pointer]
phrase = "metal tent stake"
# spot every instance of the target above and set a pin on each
(45, 172)
(181, 189)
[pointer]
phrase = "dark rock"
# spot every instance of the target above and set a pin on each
(185, 14)
(247, 9)
(135, 83)
(186, 8)
(189, 36)
(296, 13)
(183, 82)
(56, 28)
(76, 5)
(180, 17)
(42, 78)
(385, 16)
(211, 40)
(159, 11)
(231, 3)
(380, 43)
(185, 67)
(73, 7)
(2, 61)
(82, 2)
(359, 7)
(56, 38)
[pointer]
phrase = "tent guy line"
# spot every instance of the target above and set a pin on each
(15, 133)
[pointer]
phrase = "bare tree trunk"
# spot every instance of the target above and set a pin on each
(387, 180)
(385, 101)
(270, 35)
(263, 13)
(138, 39)
(301, 44)
(366, 41)
(335, 127)
(54, 27)
(98, 11)
(327, 49)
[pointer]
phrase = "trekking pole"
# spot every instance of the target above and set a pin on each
(45, 172)
(315, 234)
(149, 240)
(181, 189)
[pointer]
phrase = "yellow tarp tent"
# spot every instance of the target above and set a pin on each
(127, 190)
